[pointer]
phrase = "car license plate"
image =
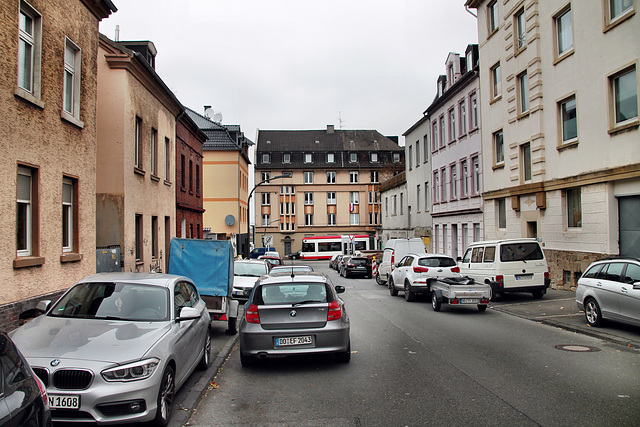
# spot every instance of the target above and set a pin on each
(470, 301)
(524, 276)
(294, 340)
(64, 401)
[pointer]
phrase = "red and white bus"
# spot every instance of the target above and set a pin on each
(324, 247)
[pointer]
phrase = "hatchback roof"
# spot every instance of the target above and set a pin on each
(285, 276)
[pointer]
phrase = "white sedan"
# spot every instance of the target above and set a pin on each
(412, 271)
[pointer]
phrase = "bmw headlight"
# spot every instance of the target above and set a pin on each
(131, 371)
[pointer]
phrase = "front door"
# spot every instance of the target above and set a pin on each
(629, 212)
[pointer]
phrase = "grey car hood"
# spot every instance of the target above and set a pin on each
(88, 339)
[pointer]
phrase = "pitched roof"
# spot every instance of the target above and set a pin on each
(324, 140)
(219, 136)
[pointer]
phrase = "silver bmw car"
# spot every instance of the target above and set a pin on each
(117, 346)
(291, 314)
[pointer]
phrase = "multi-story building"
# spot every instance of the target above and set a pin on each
(48, 88)
(456, 155)
(394, 212)
(135, 172)
(226, 180)
(560, 127)
(334, 187)
(189, 164)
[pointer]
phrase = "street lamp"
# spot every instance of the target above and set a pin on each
(284, 175)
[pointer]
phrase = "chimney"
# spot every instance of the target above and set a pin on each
(330, 129)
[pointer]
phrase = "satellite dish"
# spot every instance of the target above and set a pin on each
(230, 219)
(217, 117)
(208, 111)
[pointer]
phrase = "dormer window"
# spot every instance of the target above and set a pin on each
(286, 158)
(308, 158)
(331, 158)
(353, 158)
(266, 158)
(374, 157)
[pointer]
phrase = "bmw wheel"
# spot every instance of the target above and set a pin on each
(592, 312)
(165, 397)
(206, 356)
(392, 288)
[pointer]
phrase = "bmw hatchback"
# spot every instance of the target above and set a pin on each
(291, 314)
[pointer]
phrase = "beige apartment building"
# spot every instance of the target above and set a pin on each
(135, 173)
(48, 146)
(560, 129)
(334, 187)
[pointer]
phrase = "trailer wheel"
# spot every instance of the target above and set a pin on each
(435, 304)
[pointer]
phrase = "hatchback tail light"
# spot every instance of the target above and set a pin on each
(455, 269)
(420, 269)
(335, 311)
(546, 275)
(393, 260)
(500, 278)
(252, 314)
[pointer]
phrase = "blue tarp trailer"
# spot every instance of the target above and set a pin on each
(209, 263)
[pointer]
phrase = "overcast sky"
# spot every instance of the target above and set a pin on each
(301, 64)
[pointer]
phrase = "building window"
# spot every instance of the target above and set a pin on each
(183, 172)
(354, 198)
(26, 212)
(454, 182)
(265, 176)
(266, 199)
(72, 63)
(401, 203)
(308, 198)
(436, 187)
(496, 82)
(619, 9)
(417, 153)
(286, 158)
(138, 140)
(354, 219)
(520, 30)
(167, 159)
(434, 139)
(523, 93)
(266, 220)
(375, 177)
(427, 204)
(564, 33)
(464, 173)
(501, 208)
(353, 177)
(418, 196)
(425, 147)
(308, 158)
(69, 214)
(498, 145)
(154, 237)
(442, 137)
(452, 125)
(266, 158)
(525, 152)
(331, 198)
(569, 119)
(396, 157)
(395, 205)
(574, 207)
(29, 50)
(386, 206)
(197, 179)
(625, 95)
(308, 177)
(139, 238)
(374, 157)
(154, 152)
(492, 16)
(410, 156)
(331, 177)
(476, 175)
(474, 111)
(353, 157)
(331, 158)
(308, 219)
(331, 219)
(443, 185)
(463, 118)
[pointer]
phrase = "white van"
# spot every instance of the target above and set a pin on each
(394, 251)
(509, 265)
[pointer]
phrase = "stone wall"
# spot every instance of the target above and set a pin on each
(10, 313)
(566, 267)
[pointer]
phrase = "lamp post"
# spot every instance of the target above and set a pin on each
(284, 175)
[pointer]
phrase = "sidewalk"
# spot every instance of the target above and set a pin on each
(558, 308)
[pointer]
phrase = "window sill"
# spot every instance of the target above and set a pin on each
(518, 51)
(498, 166)
(64, 115)
(155, 178)
(619, 20)
(496, 99)
(523, 115)
(28, 261)
(625, 126)
(139, 171)
(23, 94)
(567, 144)
(167, 183)
(563, 56)
(70, 257)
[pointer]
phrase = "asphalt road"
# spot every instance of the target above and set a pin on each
(413, 366)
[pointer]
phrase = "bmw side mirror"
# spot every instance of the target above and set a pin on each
(188, 313)
(43, 305)
(340, 289)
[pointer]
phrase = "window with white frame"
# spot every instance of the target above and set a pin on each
(574, 207)
(29, 50)
(265, 176)
(401, 203)
(396, 157)
(501, 209)
(308, 177)
(498, 147)
(523, 93)
(452, 125)
(331, 197)
(436, 187)
(266, 199)
(354, 197)
(375, 177)
(25, 207)
(308, 158)
(353, 157)
(564, 32)
(72, 63)
(568, 119)
(463, 117)
(442, 137)
(474, 111)
(353, 177)
(525, 155)
(331, 177)
(434, 135)
(266, 158)
(154, 237)
(69, 220)
(138, 143)
(410, 157)
(425, 147)
(331, 219)
(443, 185)
(492, 16)
(139, 234)
(395, 205)
(454, 182)
(331, 158)
(308, 198)
(354, 219)
(624, 87)
(286, 158)
(417, 153)
(520, 30)
(476, 175)
(619, 8)
(374, 157)
(464, 174)
(496, 81)
(418, 196)
(266, 220)
(427, 203)
(308, 219)
(154, 152)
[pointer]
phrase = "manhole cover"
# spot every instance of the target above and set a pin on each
(578, 348)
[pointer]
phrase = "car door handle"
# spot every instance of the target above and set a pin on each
(624, 290)
(599, 284)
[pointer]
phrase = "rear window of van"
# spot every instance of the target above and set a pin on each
(520, 252)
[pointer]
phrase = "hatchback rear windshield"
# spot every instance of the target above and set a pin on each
(520, 252)
(437, 262)
(291, 293)
(359, 261)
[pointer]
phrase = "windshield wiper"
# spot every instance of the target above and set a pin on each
(305, 302)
